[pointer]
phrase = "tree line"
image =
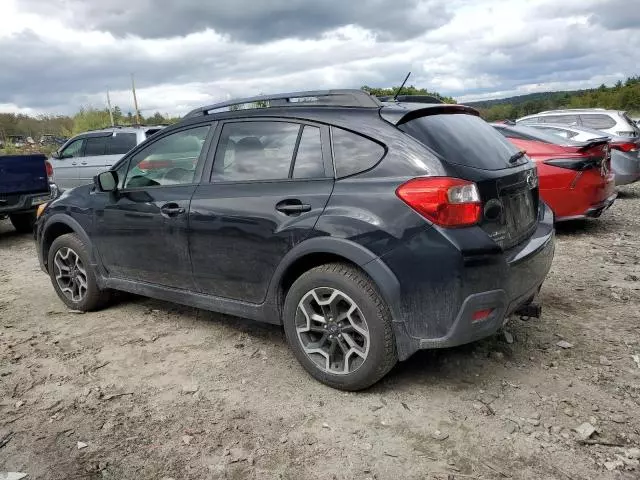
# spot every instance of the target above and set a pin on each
(622, 96)
(87, 118)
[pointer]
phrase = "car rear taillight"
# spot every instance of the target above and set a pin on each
(448, 202)
(625, 146)
(49, 168)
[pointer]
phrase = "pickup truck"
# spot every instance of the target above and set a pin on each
(23, 186)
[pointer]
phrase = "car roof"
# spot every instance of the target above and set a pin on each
(105, 132)
(574, 110)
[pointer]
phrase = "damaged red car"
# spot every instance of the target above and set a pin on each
(575, 178)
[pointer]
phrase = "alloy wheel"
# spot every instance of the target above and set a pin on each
(332, 330)
(70, 274)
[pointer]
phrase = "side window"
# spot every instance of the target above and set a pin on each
(598, 122)
(353, 153)
(74, 149)
(563, 119)
(172, 160)
(94, 146)
(255, 151)
(120, 143)
(308, 162)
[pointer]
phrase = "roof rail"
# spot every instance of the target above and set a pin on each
(332, 98)
(577, 109)
(411, 99)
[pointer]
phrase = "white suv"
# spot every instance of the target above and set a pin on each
(609, 121)
(86, 155)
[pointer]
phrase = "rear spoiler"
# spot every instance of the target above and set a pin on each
(405, 112)
(594, 142)
(411, 99)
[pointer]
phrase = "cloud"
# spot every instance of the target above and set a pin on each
(57, 56)
(248, 20)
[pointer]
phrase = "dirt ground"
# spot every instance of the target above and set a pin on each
(153, 390)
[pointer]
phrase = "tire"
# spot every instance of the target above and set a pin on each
(347, 286)
(23, 222)
(88, 298)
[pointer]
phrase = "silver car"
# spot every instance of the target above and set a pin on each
(625, 151)
(85, 155)
(611, 122)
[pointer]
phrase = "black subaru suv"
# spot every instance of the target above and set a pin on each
(368, 229)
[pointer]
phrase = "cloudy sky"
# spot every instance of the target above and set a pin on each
(56, 55)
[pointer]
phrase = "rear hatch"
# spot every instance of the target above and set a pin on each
(471, 149)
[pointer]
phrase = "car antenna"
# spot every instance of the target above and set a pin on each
(395, 97)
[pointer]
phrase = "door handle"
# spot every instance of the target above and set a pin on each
(84, 163)
(172, 210)
(74, 163)
(292, 207)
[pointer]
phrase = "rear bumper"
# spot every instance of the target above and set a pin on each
(593, 212)
(442, 287)
(26, 202)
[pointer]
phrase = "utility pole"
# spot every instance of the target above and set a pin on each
(135, 100)
(110, 111)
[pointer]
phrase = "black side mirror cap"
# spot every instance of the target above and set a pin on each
(106, 181)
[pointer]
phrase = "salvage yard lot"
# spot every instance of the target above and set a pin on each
(156, 390)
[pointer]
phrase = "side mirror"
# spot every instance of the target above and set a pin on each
(56, 155)
(106, 181)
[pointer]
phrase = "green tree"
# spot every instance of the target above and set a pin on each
(406, 90)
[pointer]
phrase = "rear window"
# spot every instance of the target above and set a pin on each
(462, 139)
(530, 133)
(121, 143)
(532, 120)
(597, 122)
(353, 153)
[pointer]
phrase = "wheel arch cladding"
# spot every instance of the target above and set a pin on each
(59, 225)
(322, 250)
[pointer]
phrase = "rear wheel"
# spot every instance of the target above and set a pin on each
(72, 275)
(23, 222)
(339, 327)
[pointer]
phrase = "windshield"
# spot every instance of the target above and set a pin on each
(463, 139)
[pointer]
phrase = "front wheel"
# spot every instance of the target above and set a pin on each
(23, 222)
(339, 327)
(72, 275)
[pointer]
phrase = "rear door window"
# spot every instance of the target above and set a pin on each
(463, 139)
(353, 153)
(597, 121)
(121, 143)
(95, 146)
(249, 151)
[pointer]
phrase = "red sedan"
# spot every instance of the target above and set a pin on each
(575, 179)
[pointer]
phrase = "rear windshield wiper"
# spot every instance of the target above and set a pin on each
(517, 156)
